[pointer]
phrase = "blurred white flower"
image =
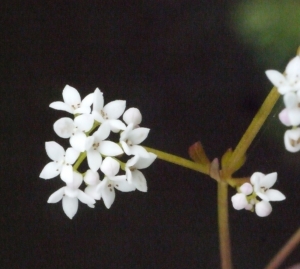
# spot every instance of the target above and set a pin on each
(108, 113)
(292, 140)
(288, 82)
(72, 102)
(61, 162)
(70, 195)
(110, 168)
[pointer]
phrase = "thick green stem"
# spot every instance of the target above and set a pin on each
(179, 161)
(224, 236)
(252, 131)
(285, 251)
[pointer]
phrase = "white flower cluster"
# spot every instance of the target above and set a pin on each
(247, 197)
(88, 135)
(288, 84)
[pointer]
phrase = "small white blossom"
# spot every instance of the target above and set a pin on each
(288, 82)
(130, 138)
(132, 115)
(110, 168)
(108, 113)
(292, 140)
(259, 187)
(72, 102)
(136, 177)
(96, 145)
(70, 195)
(92, 179)
(61, 162)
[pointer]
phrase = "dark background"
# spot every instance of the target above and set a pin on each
(193, 79)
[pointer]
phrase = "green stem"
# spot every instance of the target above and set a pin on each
(179, 161)
(285, 251)
(80, 159)
(224, 236)
(252, 131)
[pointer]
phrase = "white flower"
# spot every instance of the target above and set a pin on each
(136, 177)
(290, 116)
(108, 113)
(130, 138)
(72, 102)
(70, 195)
(74, 129)
(110, 168)
(288, 82)
(292, 140)
(132, 115)
(92, 179)
(262, 184)
(96, 145)
(62, 162)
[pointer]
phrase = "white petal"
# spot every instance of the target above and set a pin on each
(293, 67)
(108, 194)
(256, 178)
(66, 174)
(138, 135)
(139, 181)
(92, 192)
(109, 148)
(291, 140)
(239, 201)
(56, 196)
(262, 196)
(132, 115)
(115, 109)
(246, 188)
(91, 177)
(131, 162)
(71, 96)
(94, 159)
(116, 125)
(71, 155)
(98, 100)
(77, 141)
(118, 178)
(268, 180)
(294, 116)
(124, 186)
(70, 192)
(145, 162)
(126, 148)
(284, 117)
(263, 209)
(84, 198)
(128, 175)
(70, 206)
(275, 195)
(110, 167)
(139, 150)
(82, 110)
(55, 151)
(89, 141)
(64, 127)
(88, 100)
(77, 180)
(124, 135)
(276, 78)
(290, 100)
(97, 116)
(51, 170)
(103, 132)
(84, 122)
(62, 106)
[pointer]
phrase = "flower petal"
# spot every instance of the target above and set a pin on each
(56, 196)
(275, 195)
(84, 122)
(263, 209)
(110, 167)
(138, 135)
(70, 206)
(132, 115)
(91, 177)
(61, 106)
(88, 100)
(71, 155)
(92, 192)
(71, 96)
(54, 151)
(246, 188)
(124, 186)
(50, 170)
(102, 132)
(116, 125)
(139, 181)
(268, 180)
(108, 194)
(94, 159)
(145, 162)
(64, 127)
(84, 198)
(66, 174)
(109, 148)
(98, 100)
(239, 201)
(115, 109)
(77, 141)
(139, 150)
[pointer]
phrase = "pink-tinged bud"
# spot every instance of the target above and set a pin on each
(284, 117)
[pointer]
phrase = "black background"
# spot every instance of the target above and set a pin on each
(180, 63)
